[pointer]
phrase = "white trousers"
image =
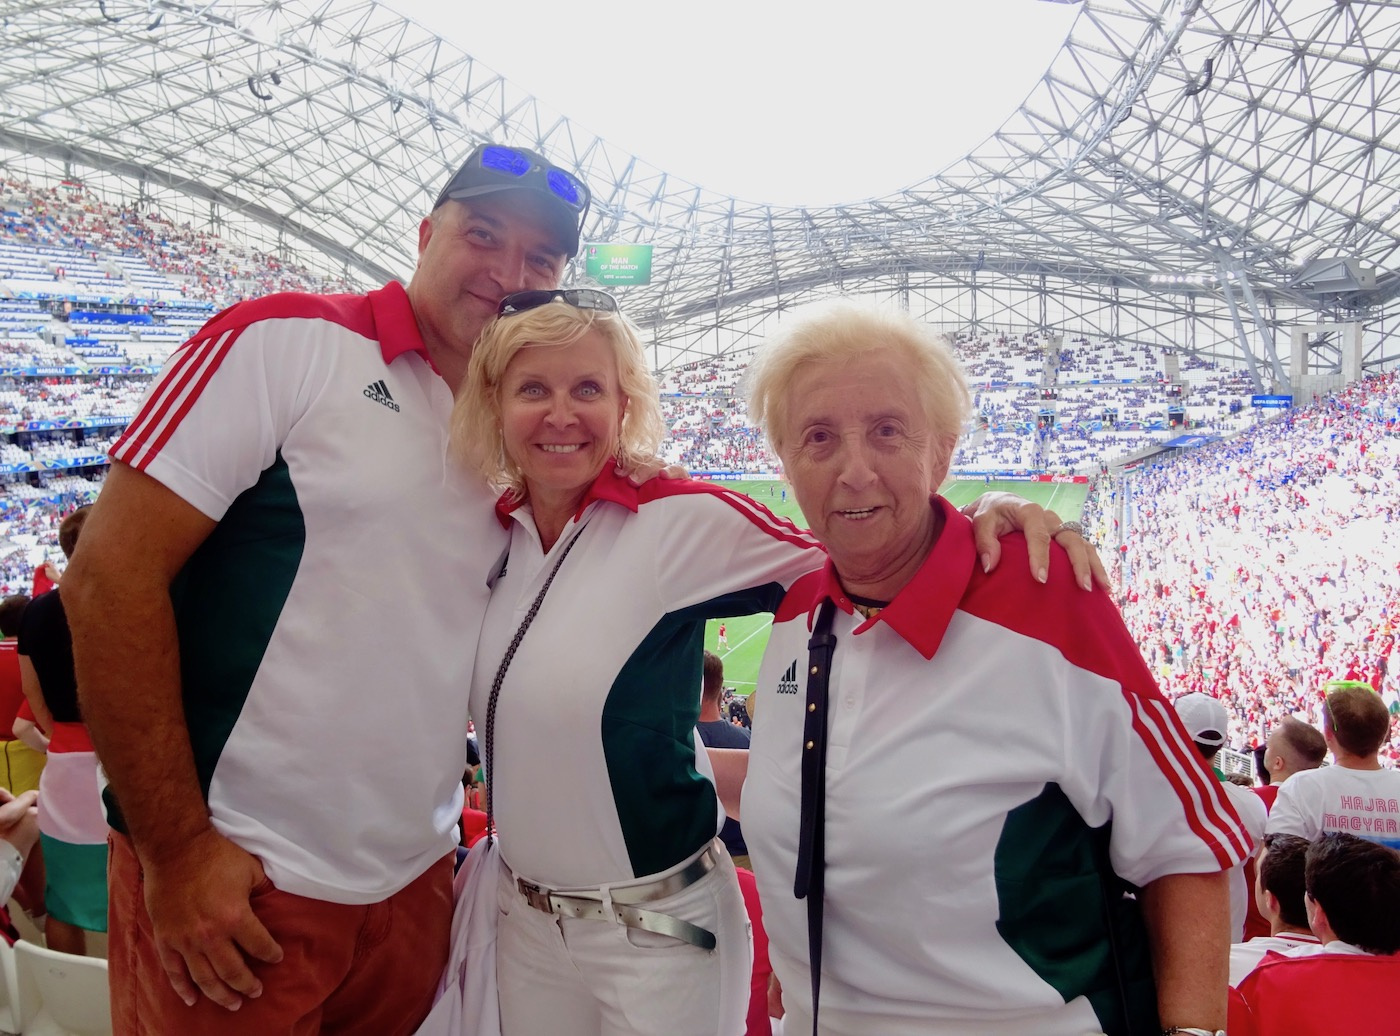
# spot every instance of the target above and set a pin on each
(567, 976)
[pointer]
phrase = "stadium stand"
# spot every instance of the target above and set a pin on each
(93, 299)
(1029, 418)
(1260, 567)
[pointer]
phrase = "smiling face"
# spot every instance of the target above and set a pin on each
(561, 417)
(862, 458)
(471, 255)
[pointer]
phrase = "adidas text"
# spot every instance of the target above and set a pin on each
(788, 684)
(379, 392)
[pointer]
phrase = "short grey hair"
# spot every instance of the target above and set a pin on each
(841, 331)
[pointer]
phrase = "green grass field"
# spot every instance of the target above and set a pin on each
(748, 634)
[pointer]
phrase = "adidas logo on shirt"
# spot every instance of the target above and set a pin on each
(788, 684)
(379, 392)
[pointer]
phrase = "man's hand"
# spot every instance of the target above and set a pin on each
(19, 820)
(996, 514)
(203, 923)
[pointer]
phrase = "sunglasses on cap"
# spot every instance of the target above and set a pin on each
(500, 166)
(579, 298)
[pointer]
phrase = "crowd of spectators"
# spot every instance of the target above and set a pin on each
(65, 398)
(1257, 568)
(77, 231)
(61, 246)
(1073, 418)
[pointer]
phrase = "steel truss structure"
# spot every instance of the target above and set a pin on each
(1205, 175)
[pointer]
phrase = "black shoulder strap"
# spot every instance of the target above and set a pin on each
(488, 755)
(810, 880)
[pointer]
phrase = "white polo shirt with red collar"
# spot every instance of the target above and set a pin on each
(999, 765)
(327, 626)
(595, 768)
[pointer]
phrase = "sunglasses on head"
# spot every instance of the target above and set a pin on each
(518, 166)
(579, 298)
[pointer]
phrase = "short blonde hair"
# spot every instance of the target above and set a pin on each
(476, 417)
(842, 331)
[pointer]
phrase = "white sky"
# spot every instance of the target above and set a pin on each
(810, 103)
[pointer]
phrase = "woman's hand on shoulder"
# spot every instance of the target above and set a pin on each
(652, 467)
(998, 514)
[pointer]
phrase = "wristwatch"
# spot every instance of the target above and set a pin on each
(1191, 1030)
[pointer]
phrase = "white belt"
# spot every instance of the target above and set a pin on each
(619, 904)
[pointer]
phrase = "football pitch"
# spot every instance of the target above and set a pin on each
(747, 635)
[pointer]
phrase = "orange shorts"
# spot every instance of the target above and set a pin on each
(351, 970)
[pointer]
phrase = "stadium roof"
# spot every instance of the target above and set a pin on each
(1197, 174)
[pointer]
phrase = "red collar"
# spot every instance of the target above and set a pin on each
(395, 323)
(607, 486)
(919, 613)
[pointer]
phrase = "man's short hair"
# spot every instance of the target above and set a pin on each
(1357, 884)
(11, 608)
(1305, 743)
(714, 676)
(1358, 719)
(1281, 871)
(70, 528)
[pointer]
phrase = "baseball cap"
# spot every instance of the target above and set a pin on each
(1204, 717)
(493, 168)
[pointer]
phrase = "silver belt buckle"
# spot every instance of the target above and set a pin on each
(535, 896)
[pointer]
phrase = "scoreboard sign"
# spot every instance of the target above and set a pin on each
(618, 264)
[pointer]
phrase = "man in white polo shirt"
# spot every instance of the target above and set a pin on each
(285, 575)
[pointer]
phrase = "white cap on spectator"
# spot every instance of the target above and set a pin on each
(1204, 717)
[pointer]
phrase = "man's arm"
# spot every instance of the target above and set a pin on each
(116, 593)
(28, 731)
(996, 514)
(1188, 927)
(19, 830)
(34, 695)
(19, 819)
(731, 766)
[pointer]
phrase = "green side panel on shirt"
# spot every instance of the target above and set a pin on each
(228, 600)
(665, 806)
(1064, 912)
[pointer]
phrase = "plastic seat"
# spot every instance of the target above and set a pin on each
(11, 1014)
(61, 994)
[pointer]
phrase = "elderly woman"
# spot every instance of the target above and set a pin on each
(618, 910)
(948, 801)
